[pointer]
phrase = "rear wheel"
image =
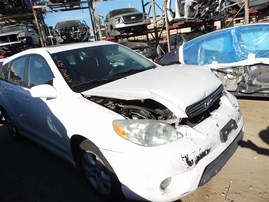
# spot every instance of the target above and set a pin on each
(100, 174)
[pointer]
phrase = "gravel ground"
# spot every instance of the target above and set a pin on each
(29, 173)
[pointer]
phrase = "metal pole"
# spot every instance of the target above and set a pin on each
(41, 37)
(155, 23)
(97, 20)
(246, 11)
(92, 19)
(167, 27)
(144, 11)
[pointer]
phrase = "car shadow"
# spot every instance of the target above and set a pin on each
(30, 173)
(264, 135)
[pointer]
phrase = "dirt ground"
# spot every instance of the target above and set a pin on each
(29, 173)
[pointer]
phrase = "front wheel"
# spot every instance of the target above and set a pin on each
(100, 174)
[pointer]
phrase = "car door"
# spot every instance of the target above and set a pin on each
(14, 91)
(46, 128)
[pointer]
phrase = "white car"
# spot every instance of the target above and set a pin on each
(136, 129)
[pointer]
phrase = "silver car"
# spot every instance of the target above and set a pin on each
(125, 20)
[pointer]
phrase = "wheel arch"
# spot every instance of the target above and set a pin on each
(75, 141)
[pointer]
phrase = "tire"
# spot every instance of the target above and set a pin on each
(100, 174)
(11, 126)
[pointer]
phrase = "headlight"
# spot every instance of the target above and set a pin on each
(118, 20)
(146, 132)
(145, 16)
(22, 34)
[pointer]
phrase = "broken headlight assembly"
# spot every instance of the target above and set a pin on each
(147, 133)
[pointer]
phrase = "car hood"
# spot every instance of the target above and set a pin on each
(176, 87)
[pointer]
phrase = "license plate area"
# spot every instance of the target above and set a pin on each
(225, 131)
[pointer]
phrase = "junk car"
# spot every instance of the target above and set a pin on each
(14, 38)
(125, 20)
(71, 31)
(135, 129)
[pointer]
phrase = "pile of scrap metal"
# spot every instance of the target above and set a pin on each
(14, 6)
(238, 56)
(71, 31)
(182, 10)
(187, 10)
(141, 47)
(18, 37)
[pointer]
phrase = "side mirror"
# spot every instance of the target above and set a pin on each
(43, 91)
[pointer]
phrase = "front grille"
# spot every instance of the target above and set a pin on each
(132, 18)
(8, 38)
(203, 105)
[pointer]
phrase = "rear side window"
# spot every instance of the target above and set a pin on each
(17, 69)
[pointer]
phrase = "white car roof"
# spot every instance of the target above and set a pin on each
(65, 47)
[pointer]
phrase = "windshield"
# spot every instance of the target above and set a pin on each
(70, 23)
(123, 11)
(90, 67)
(11, 29)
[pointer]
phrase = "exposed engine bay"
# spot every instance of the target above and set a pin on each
(245, 79)
(150, 109)
(71, 31)
(136, 109)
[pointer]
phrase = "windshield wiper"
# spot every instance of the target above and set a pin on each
(92, 83)
(127, 73)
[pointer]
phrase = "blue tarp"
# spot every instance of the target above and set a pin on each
(228, 45)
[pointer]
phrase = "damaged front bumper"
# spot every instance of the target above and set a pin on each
(171, 171)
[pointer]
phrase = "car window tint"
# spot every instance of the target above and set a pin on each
(17, 71)
(39, 71)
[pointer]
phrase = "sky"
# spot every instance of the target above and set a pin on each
(102, 7)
